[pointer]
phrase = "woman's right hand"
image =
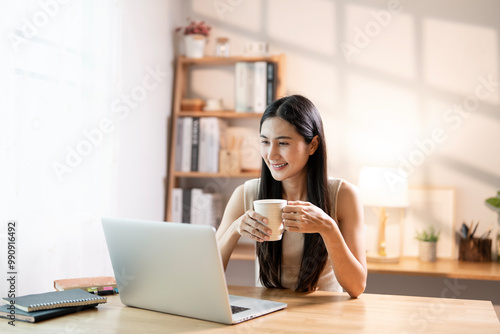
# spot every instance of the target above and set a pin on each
(254, 226)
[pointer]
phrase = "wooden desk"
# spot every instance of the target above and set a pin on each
(318, 312)
(450, 268)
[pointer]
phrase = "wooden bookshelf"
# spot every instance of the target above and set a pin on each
(183, 64)
(220, 114)
(242, 174)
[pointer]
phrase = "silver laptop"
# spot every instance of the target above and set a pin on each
(175, 268)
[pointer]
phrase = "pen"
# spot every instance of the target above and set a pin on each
(474, 230)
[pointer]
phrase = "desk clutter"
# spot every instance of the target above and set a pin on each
(37, 307)
(474, 249)
(103, 285)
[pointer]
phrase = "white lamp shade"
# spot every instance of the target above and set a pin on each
(383, 187)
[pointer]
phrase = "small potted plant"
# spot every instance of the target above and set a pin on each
(427, 247)
(195, 36)
(494, 203)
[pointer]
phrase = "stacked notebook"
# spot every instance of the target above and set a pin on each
(37, 307)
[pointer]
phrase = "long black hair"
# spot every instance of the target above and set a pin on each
(303, 115)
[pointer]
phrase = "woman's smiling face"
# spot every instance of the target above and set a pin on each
(284, 150)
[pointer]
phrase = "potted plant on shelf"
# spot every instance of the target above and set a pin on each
(195, 37)
(427, 247)
(494, 203)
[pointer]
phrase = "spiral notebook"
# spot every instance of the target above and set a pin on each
(56, 299)
(37, 316)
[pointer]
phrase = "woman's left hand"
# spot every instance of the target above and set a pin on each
(305, 217)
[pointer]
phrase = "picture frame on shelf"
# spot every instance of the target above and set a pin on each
(430, 206)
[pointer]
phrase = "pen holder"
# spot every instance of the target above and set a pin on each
(475, 250)
(229, 161)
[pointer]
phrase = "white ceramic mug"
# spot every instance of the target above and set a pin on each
(272, 209)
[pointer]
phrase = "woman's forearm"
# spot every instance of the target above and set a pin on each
(349, 271)
(227, 241)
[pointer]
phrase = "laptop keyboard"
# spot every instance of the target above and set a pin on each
(238, 309)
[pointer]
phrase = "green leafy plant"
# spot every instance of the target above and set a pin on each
(429, 234)
(494, 203)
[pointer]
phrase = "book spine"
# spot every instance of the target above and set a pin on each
(260, 87)
(195, 142)
(271, 83)
(178, 145)
(249, 87)
(198, 206)
(186, 143)
(240, 87)
(209, 212)
(186, 206)
(218, 209)
(212, 140)
(202, 153)
(177, 205)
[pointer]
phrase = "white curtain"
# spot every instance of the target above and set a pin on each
(59, 65)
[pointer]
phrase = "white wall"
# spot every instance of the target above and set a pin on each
(142, 155)
(405, 75)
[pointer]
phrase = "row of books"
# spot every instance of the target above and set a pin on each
(255, 86)
(194, 206)
(198, 143)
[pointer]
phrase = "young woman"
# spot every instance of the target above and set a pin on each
(322, 246)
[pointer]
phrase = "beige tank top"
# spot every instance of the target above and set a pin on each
(293, 243)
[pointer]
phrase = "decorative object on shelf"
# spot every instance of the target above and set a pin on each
(427, 247)
(494, 203)
(195, 38)
(256, 49)
(382, 188)
(213, 105)
(222, 47)
(474, 249)
(192, 104)
(431, 205)
(230, 161)
(230, 157)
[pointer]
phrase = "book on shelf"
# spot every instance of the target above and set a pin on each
(270, 83)
(216, 138)
(197, 150)
(241, 83)
(195, 142)
(204, 141)
(176, 205)
(55, 299)
(178, 144)
(212, 131)
(187, 139)
(254, 86)
(37, 316)
(89, 284)
(215, 209)
(197, 207)
(260, 86)
(186, 206)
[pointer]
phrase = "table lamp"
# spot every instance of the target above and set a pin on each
(382, 188)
